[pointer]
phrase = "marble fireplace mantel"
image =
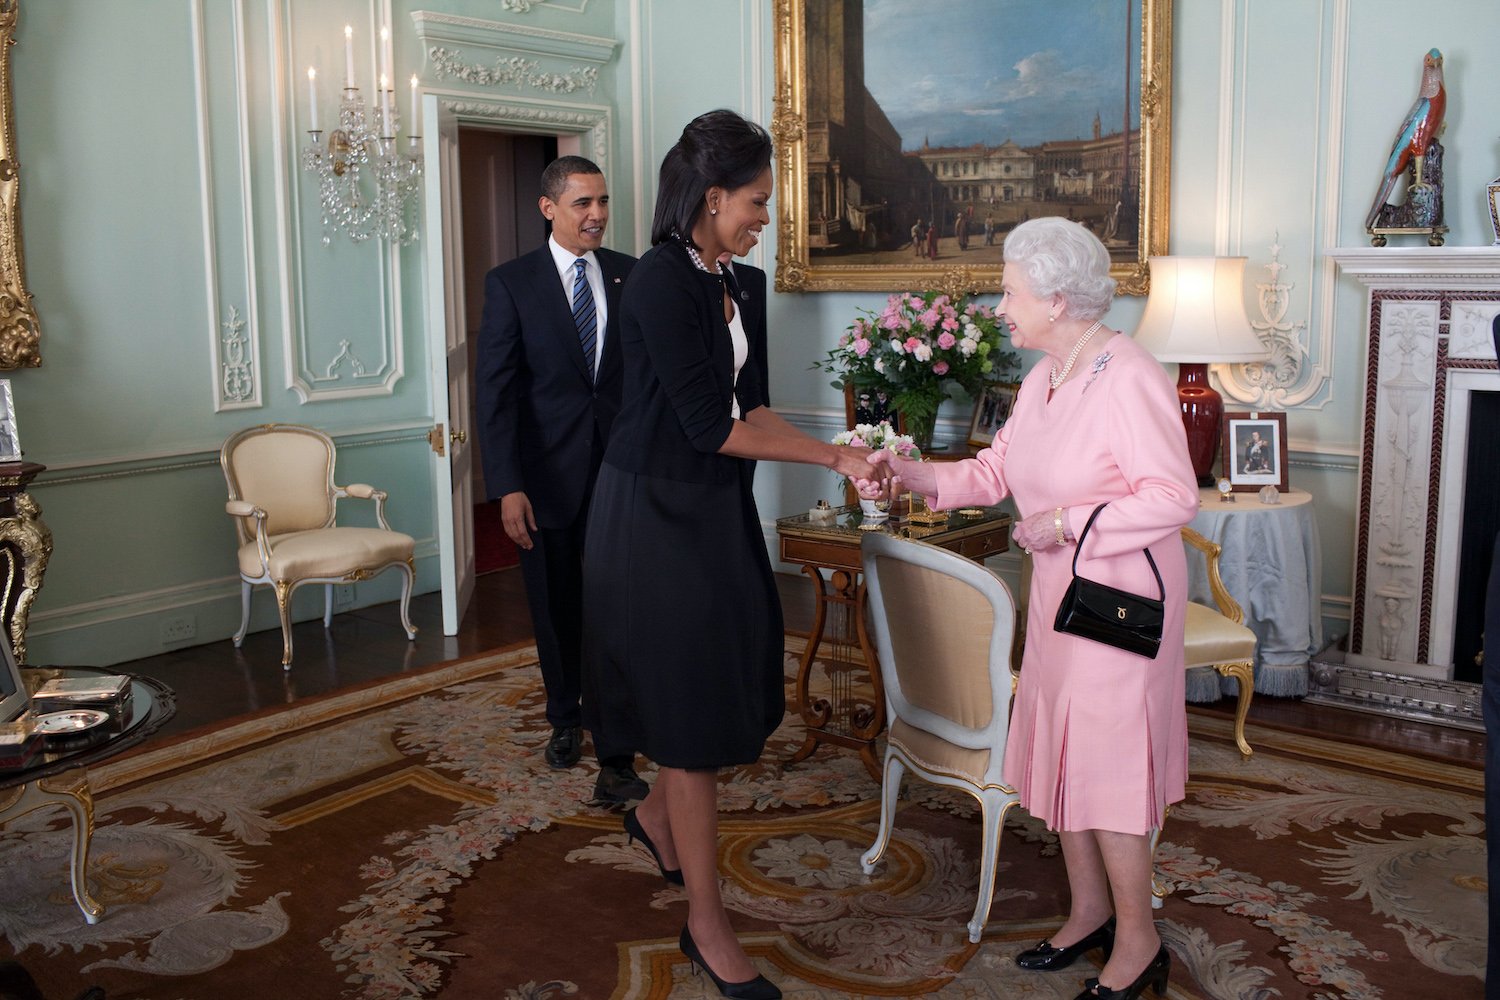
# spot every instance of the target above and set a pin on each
(1429, 347)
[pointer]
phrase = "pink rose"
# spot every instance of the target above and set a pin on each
(912, 343)
(929, 319)
(857, 442)
(890, 321)
(950, 323)
(945, 341)
(941, 368)
(861, 347)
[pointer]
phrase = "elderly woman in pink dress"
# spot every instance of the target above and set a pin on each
(1098, 737)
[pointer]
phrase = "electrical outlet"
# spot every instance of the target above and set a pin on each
(343, 595)
(177, 629)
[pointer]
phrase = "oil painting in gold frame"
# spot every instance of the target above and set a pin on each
(857, 183)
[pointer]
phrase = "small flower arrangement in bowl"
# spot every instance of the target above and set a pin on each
(876, 436)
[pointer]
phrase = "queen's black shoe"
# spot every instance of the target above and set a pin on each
(759, 988)
(1045, 958)
(1155, 976)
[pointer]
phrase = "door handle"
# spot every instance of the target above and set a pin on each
(458, 437)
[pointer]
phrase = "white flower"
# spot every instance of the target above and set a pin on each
(968, 345)
(880, 365)
(923, 353)
(898, 347)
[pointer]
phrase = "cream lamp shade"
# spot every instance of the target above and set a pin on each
(1196, 312)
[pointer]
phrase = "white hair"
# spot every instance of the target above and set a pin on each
(1061, 257)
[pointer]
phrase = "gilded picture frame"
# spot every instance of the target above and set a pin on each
(20, 330)
(853, 180)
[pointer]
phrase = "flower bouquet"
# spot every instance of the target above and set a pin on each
(916, 347)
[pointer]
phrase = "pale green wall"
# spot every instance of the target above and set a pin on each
(140, 238)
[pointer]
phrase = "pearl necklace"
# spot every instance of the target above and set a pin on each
(698, 260)
(1056, 378)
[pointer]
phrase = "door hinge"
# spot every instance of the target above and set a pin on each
(438, 441)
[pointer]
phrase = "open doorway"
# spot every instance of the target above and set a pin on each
(480, 209)
(499, 176)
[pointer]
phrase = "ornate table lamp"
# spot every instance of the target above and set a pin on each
(1195, 316)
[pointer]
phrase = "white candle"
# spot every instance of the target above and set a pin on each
(412, 127)
(385, 105)
(312, 97)
(348, 57)
(385, 52)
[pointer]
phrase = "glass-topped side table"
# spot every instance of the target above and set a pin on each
(58, 773)
(852, 715)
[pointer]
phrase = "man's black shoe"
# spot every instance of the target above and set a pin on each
(618, 783)
(565, 747)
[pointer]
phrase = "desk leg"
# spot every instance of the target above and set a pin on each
(71, 791)
(841, 719)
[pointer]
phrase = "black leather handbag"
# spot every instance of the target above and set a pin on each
(1106, 614)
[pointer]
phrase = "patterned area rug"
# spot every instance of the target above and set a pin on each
(408, 841)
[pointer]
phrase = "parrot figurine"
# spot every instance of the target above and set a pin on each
(1420, 129)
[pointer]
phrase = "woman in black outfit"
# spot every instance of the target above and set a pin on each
(683, 641)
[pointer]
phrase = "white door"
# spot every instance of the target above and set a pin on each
(448, 349)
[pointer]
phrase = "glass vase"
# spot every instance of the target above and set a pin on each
(920, 429)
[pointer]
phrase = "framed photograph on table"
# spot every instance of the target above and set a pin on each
(1254, 450)
(991, 412)
(869, 406)
(10, 444)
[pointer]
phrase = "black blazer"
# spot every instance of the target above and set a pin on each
(679, 367)
(542, 422)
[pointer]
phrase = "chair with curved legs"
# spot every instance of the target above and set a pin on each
(942, 626)
(1218, 637)
(284, 502)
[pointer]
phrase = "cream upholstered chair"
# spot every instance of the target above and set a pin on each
(1218, 637)
(283, 500)
(942, 626)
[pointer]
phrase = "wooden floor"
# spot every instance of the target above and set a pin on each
(216, 682)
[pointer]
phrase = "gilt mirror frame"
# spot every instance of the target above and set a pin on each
(811, 239)
(20, 331)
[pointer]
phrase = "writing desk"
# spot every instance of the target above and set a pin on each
(853, 715)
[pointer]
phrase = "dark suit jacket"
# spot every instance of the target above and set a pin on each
(679, 367)
(539, 413)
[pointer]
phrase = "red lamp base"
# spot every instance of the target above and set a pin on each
(1202, 412)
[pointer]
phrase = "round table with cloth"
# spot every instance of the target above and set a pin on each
(1273, 566)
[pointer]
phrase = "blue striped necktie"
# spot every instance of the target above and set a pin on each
(584, 316)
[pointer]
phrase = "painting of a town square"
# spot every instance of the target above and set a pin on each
(916, 135)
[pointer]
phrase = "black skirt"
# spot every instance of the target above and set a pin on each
(683, 645)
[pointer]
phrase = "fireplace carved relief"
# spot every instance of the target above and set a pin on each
(1429, 349)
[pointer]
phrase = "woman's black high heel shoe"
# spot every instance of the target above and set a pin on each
(1155, 976)
(634, 831)
(759, 988)
(1045, 958)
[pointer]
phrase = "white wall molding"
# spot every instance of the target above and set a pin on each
(307, 349)
(500, 54)
(592, 122)
(1300, 370)
(234, 343)
(67, 473)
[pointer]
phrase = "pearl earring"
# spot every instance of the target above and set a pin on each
(1052, 319)
(713, 211)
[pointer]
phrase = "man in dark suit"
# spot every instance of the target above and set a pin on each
(549, 378)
